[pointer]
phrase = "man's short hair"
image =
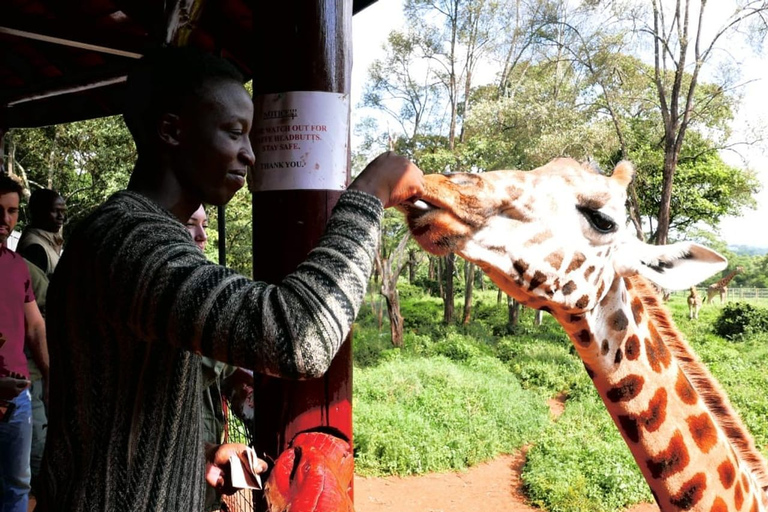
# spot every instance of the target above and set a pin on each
(9, 184)
(163, 79)
(40, 203)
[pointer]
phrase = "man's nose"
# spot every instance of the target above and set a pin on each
(246, 153)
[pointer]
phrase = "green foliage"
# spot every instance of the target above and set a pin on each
(544, 363)
(739, 319)
(580, 463)
(85, 162)
(421, 415)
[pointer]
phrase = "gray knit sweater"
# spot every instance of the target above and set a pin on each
(131, 300)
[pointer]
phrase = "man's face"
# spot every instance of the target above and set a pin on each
(214, 150)
(55, 217)
(9, 214)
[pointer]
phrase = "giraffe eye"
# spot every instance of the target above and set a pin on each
(598, 220)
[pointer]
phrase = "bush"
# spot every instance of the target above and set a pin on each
(739, 320)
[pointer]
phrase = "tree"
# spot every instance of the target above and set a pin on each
(85, 162)
(675, 40)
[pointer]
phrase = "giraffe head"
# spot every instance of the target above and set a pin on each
(554, 238)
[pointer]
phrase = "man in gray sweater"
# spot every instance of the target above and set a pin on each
(133, 303)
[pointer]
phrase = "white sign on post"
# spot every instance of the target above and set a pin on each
(300, 140)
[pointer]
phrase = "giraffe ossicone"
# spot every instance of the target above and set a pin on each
(556, 238)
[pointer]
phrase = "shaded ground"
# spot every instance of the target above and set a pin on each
(492, 486)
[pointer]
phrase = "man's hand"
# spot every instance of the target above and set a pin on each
(391, 178)
(10, 387)
(217, 465)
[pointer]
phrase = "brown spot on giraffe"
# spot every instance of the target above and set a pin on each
(568, 288)
(618, 357)
(719, 505)
(632, 347)
(618, 321)
(684, 389)
(589, 271)
(600, 290)
(703, 431)
(577, 261)
(582, 302)
(637, 310)
(629, 426)
(604, 347)
(576, 318)
(537, 279)
(520, 267)
(673, 459)
(590, 371)
(754, 505)
(555, 259)
(727, 473)
(654, 416)
(690, 492)
(539, 238)
(626, 389)
(627, 283)
(584, 337)
(745, 483)
(738, 496)
(656, 351)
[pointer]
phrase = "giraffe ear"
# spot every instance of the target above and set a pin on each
(672, 267)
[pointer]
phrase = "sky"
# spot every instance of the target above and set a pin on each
(371, 27)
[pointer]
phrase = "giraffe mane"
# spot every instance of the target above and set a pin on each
(704, 383)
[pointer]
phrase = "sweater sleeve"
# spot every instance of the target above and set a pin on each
(293, 329)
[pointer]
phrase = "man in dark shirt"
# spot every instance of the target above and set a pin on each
(134, 303)
(41, 241)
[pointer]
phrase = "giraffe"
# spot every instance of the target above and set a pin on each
(555, 239)
(694, 304)
(721, 286)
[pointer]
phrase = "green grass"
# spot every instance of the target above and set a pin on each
(457, 395)
(420, 415)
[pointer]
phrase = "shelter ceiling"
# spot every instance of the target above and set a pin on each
(66, 60)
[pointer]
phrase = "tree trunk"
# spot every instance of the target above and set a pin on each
(448, 296)
(395, 318)
(662, 228)
(513, 313)
(411, 266)
(469, 279)
(498, 296)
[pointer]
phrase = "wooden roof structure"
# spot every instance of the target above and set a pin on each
(66, 60)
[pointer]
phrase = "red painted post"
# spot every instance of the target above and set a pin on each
(301, 45)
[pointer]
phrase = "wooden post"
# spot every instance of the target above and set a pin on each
(300, 45)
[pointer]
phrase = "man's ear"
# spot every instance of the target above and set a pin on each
(168, 129)
(672, 267)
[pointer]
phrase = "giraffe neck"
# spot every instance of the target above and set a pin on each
(727, 279)
(679, 426)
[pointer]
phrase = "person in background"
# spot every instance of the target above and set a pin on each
(132, 302)
(41, 241)
(220, 380)
(20, 323)
(41, 244)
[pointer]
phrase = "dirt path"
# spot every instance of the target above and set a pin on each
(494, 485)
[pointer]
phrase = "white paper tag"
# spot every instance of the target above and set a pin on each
(243, 473)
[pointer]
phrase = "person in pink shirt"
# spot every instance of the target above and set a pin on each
(20, 323)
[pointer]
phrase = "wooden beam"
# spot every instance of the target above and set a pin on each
(67, 90)
(67, 42)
